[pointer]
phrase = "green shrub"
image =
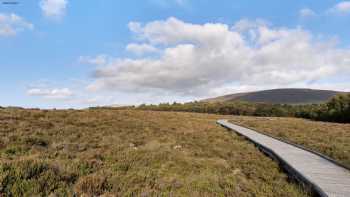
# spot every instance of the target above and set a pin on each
(28, 178)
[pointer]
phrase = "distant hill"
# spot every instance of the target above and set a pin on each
(280, 96)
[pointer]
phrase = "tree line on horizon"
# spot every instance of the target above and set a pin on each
(336, 109)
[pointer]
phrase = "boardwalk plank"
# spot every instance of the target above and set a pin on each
(325, 176)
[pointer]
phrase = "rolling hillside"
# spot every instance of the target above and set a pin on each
(280, 96)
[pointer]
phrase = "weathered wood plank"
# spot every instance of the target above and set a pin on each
(325, 176)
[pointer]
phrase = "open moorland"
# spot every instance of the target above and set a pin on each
(331, 139)
(114, 152)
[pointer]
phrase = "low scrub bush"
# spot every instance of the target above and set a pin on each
(335, 110)
(28, 178)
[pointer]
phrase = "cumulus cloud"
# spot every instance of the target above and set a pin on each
(341, 8)
(307, 12)
(140, 49)
(55, 93)
(203, 59)
(11, 24)
(246, 24)
(53, 8)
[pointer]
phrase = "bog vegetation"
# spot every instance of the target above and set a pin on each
(113, 152)
(335, 110)
(331, 139)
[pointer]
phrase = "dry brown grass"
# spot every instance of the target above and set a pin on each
(130, 153)
(331, 139)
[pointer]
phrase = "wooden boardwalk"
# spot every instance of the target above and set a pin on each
(323, 175)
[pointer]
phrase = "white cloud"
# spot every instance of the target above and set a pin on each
(203, 59)
(55, 93)
(53, 8)
(140, 49)
(98, 60)
(246, 24)
(306, 13)
(341, 8)
(11, 24)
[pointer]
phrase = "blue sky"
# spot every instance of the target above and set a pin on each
(64, 53)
